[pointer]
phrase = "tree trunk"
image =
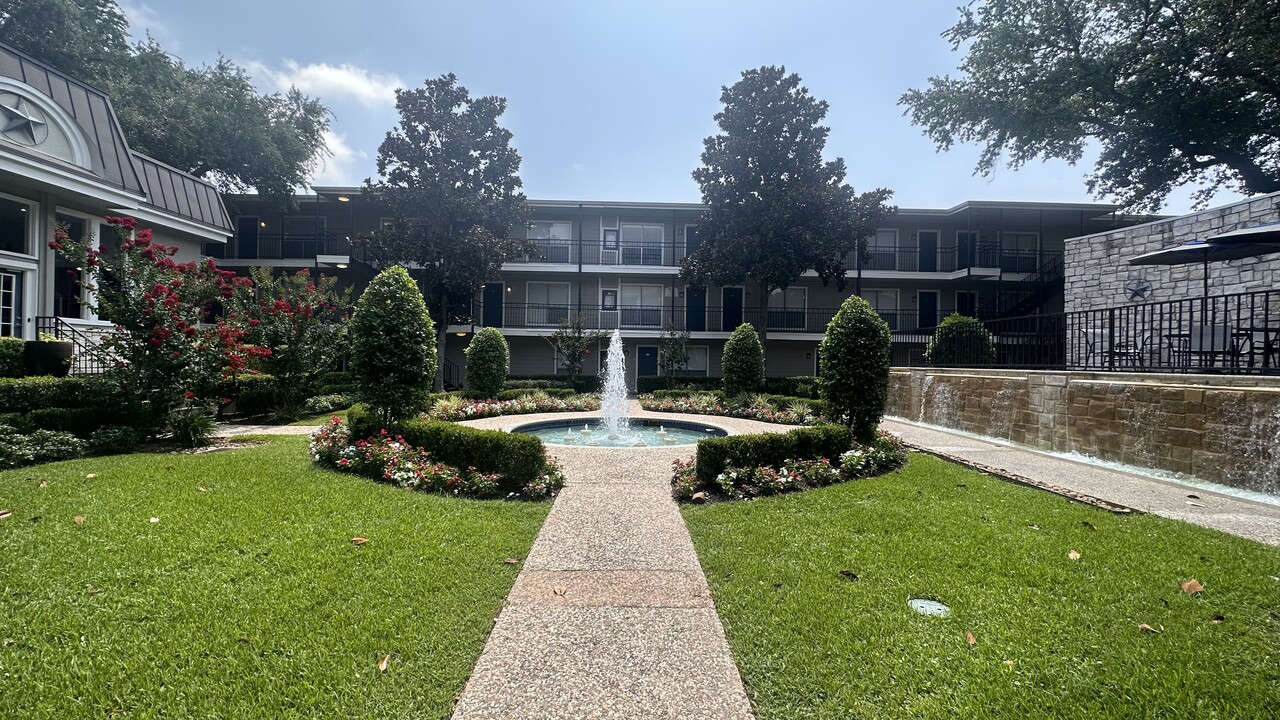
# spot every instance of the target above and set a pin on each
(762, 319)
(442, 334)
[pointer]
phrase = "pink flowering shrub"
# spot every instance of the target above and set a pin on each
(756, 408)
(455, 409)
(390, 459)
(684, 478)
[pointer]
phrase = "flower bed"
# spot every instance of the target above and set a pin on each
(391, 459)
(743, 483)
(455, 409)
(766, 408)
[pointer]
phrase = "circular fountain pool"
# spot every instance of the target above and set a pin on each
(640, 433)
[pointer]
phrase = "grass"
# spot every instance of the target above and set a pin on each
(1055, 638)
(247, 598)
(321, 418)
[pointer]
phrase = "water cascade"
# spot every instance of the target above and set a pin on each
(613, 400)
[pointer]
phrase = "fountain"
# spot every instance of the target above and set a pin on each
(613, 399)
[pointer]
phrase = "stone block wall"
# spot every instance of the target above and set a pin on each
(1097, 266)
(1219, 429)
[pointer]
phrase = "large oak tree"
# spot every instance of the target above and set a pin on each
(775, 207)
(1172, 91)
(451, 180)
(209, 120)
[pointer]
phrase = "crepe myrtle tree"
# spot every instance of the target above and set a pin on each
(393, 346)
(853, 378)
(775, 207)
(450, 178)
(571, 343)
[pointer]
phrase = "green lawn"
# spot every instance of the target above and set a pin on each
(248, 598)
(322, 418)
(1055, 637)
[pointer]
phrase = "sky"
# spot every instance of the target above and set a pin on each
(611, 100)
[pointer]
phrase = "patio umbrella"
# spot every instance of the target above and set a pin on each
(1269, 234)
(1202, 252)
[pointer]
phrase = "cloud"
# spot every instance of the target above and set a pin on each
(579, 167)
(345, 166)
(331, 82)
(143, 20)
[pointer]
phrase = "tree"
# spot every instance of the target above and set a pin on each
(775, 208)
(961, 340)
(209, 121)
(450, 178)
(487, 359)
(673, 353)
(571, 343)
(854, 375)
(392, 350)
(742, 362)
(1172, 91)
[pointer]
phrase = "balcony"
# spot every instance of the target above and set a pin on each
(281, 246)
(910, 259)
(571, 252)
(641, 317)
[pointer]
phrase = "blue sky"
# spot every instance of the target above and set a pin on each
(611, 100)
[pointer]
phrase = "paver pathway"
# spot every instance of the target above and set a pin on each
(611, 616)
(1246, 518)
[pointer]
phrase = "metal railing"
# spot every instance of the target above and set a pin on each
(593, 252)
(90, 358)
(656, 317)
(281, 246)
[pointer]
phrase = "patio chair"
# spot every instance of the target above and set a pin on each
(1134, 355)
(1208, 342)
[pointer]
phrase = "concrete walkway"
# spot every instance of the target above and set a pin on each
(1246, 518)
(611, 616)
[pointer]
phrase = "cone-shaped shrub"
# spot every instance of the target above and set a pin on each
(487, 360)
(854, 377)
(961, 340)
(393, 346)
(743, 362)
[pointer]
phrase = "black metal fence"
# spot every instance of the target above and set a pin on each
(89, 358)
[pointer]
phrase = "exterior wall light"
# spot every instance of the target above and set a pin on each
(343, 198)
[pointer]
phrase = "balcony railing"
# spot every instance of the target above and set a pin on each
(950, 259)
(646, 317)
(281, 246)
(570, 252)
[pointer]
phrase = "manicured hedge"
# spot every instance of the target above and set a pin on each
(535, 384)
(336, 383)
(32, 393)
(804, 386)
(517, 457)
(770, 449)
(11, 362)
(581, 383)
(253, 394)
(81, 422)
(652, 383)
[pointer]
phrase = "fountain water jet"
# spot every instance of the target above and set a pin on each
(613, 399)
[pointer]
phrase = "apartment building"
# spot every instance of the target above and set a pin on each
(65, 160)
(616, 264)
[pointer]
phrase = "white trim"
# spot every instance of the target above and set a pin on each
(93, 224)
(662, 243)
(33, 246)
(568, 304)
(81, 149)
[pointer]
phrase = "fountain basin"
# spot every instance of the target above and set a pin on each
(641, 433)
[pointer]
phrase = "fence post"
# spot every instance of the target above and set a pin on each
(1111, 338)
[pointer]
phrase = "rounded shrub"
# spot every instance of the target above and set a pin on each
(961, 340)
(854, 374)
(393, 348)
(742, 362)
(487, 360)
(11, 357)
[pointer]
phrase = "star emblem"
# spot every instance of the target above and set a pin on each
(1138, 289)
(22, 123)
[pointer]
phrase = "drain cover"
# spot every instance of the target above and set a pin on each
(928, 607)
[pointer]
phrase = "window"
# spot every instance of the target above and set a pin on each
(609, 240)
(787, 309)
(547, 303)
(552, 238)
(10, 304)
(641, 305)
(883, 251)
(699, 362)
(1018, 251)
(641, 243)
(608, 299)
(13, 226)
(885, 303)
(67, 288)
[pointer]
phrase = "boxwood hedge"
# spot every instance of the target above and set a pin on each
(770, 449)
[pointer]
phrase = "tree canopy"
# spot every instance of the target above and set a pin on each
(209, 121)
(1172, 91)
(451, 180)
(775, 207)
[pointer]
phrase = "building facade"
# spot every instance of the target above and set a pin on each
(64, 160)
(616, 265)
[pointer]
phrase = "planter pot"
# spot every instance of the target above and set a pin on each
(48, 358)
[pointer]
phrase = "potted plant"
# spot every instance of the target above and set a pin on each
(48, 356)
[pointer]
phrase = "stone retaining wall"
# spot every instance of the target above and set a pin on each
(1215, 428)
(1097, 266)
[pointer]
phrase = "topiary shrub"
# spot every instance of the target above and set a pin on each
(743, 362)
(961, 340)
(487, 361)
(854, 377)
(11, 362)
(393, 348)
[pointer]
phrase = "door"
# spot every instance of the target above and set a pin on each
(10, 304)
(966, 249)
(695, 308)
(732, 308)
(967, 303)
(928, 250)
(493, 297)
(247, 238)
(647, 365)
(928, 306)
